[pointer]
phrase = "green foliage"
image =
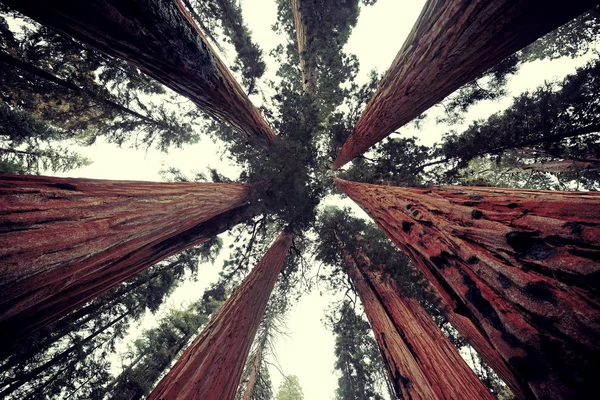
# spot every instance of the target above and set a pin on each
(29, 145)
(397, 162)
(358, 361)
(572, 39)
(556, 121)
(290, 389)
(83, 93)
(338, 224)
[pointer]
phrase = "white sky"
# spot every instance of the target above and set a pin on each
(308, 350)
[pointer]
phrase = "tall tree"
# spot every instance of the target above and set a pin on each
(228, 337)
(65, 241)
(162, 39)
(522, 261)
(358, 360)
(290, 389)
(308, 64)
(82, 92)
(421, 361)
(145, 292)
(442, 305)
(451, 43)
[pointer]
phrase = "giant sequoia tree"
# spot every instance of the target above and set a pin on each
(514, 271)
(107, 231)
(523, 262)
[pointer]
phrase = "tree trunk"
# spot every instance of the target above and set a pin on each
(212, 366)
(452, 43)
(64, 241)
(308, 65)
(463, 321)
(254, 372)
(421, 361)
(162, 40)
(524, 262)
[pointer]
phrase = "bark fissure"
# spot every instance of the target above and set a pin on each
(529, 318)
(102, 233)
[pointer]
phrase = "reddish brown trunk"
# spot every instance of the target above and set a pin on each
(212, 366)
(308, 67)
(161, 39)
(524, 262)
(64, 241)
(452, 43)
(421, 361)
(460, 318)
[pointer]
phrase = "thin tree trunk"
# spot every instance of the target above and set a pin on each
(254, 372)
(65, 241)
(452, 43)
(308, 66)
(212, 366)
(421, 361)
(524, 262)
(162, 40)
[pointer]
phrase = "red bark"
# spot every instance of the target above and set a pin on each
(461, 319)
(421, 361)
(162, 40)
(212, 366)
(524, 262)
(452, 43)
(64, 241)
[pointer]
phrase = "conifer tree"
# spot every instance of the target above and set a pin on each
(188, 65)
(227, 338)
(521, 261)
(444, 32)
(105, 232)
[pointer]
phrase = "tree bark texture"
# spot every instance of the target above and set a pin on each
(64, 241)
(462, 320)
(421, 361)
(308, 65)
(212, 366)
(452, 43)
(162, 40)
(524, 262)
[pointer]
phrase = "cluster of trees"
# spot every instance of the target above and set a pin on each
(68, 85)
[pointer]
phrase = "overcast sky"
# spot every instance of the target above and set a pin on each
(308, 350)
